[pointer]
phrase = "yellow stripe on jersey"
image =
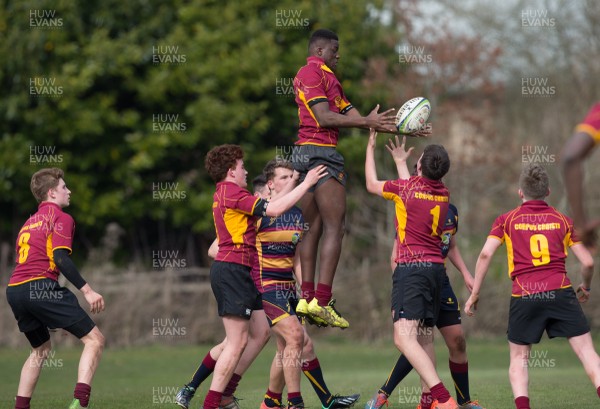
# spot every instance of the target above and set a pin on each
(278, 236)
(236, 224)
(328, 145)
(510, 254)
(590, 130)
(401, 215)
(305, 102)
(49, 251)
(28, 280)
(283, 263)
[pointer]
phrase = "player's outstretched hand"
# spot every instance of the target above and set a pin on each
(372, 138)
(382, 122)
(471, 305)
(422, 133)
(313, 175)
(583, 295)
(95, 300)
(469, 281)
(397, 150)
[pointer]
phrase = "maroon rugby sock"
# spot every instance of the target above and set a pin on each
(426, 400)
(323, 294)
(232, 385)
(82, 392)
(598, 391)
(440, 393)
(212, 400)
(308, 290)
(522, 402)
(22, 402)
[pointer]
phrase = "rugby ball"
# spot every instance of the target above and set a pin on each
(413, 115)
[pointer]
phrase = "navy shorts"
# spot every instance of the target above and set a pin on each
(449, 308)
(557, 312)
(279, 304)
(307, 157)
(234, 289)
(43, 304)
(416, 292)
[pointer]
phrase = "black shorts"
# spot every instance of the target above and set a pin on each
(416, 292)
(307, 157)
(234, 289)
(449, 308)
(279, 304)
(41, 304)
(557, 312)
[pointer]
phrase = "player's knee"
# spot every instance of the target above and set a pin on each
(308, 347)
(295, 339)
(43, 350)
(459, 344)
(95, 339)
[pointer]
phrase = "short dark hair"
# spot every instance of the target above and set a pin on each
(259, 183)
(534, 181)
(269, 170)
(222, 158)
(44, 180)
(435, 162)
(321, 34)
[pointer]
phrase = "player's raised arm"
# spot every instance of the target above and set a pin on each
(382, 122)
(374, 185)
(283, 203)
(400, 156)
(481, 269)
(574, 153)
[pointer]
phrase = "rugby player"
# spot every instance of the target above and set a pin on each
(537, 238)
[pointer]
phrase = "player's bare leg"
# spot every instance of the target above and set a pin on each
(406, 340)
(309, 246)
(454, 337)
(291, 332)
(331, 201)
(518, 371)
(32, 369)
(90, 357)
(258, 336)
(584, 349)
(330, 198)
(236, 331)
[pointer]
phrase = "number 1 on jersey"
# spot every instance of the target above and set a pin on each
(435, 212)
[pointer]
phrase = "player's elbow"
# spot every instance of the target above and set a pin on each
(372, 186)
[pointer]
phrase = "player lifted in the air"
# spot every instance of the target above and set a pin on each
(537, 238)
(322, 109)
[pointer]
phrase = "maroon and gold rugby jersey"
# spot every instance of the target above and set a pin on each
(421, 206)
(276, 241)
(234, 213)
(315, 83)
(45, 231)
(537, 238)
(591, 124)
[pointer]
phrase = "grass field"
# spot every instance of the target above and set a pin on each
(148, 377)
